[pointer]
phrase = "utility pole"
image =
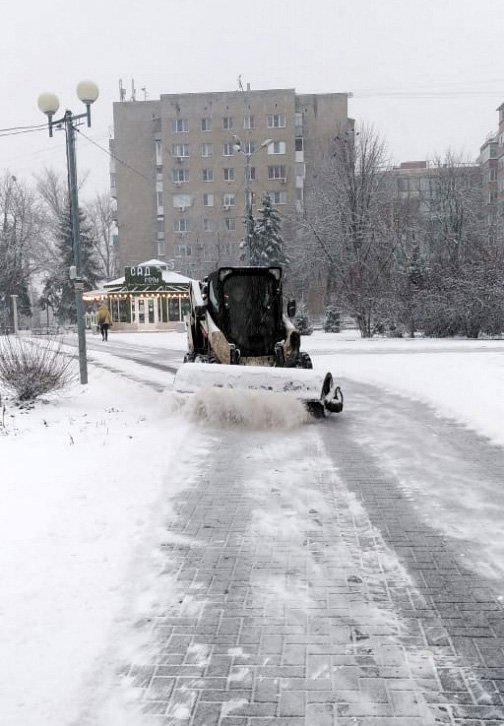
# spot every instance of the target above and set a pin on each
(74, 216)
(48, 103)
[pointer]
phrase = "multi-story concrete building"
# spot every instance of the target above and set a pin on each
(500, 175)
(488, 162)
(184, 163)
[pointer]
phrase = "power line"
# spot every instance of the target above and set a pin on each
(33, 127)
(113, 156)
(7, 132)
(425, 94)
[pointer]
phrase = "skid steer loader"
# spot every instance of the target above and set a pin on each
(239, 337)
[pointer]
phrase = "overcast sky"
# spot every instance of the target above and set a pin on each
(428, 75)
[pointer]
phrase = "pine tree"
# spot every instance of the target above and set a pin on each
(59, 291)
(302, 321)
(332, 321)
(267, 245)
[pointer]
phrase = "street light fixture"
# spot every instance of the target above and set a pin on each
(48, 103)
(237, 145)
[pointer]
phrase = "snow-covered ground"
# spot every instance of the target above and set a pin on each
(86, 480)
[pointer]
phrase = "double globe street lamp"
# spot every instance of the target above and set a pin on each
(249, 221)
(48, 103)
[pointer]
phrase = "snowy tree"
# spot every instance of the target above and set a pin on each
(353, 220)
(100, 215)
(267, 245)
(59, 292)
(302, 321)
(466, 271)
(19, 235)
(332, 320)
(411, 283)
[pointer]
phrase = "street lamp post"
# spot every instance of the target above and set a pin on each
(48, 103)
(237, 145)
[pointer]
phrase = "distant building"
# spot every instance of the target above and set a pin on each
(180, 180)
(488, 162)
(149, 297)
(500, 174)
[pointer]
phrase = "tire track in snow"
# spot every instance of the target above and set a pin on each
(405, 465)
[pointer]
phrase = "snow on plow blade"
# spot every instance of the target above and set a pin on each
(304, 384)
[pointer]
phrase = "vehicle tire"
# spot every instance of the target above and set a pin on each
(316, 410)
(304, 361)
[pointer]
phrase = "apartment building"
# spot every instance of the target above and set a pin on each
(185, 163)
(488, 162)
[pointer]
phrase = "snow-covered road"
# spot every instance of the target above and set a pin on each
(231, 574)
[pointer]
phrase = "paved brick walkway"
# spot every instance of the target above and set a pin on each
(294, 608)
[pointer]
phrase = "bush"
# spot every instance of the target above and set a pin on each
(302, 322)
(332, 321)
(31, 368)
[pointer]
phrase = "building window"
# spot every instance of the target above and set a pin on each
(160, 225)
(229, 174)
(180, 176)
(251, 173)
(173, 303)
(299, 144)
(208, 200)
(183, 224)
(227, 123)
(206, 149)
(207, 175)
(180, 126)
(276, 147)
(249, 147)
(207, 225)
(228, 200)
(180, 151)
(276, 172)
(249, 122)
(159, 199)
(159, 152)
(278, 197)
(227, 150)
(182, 201)
(492, 174)
(206, 123)
(276, 121)
(230, 223)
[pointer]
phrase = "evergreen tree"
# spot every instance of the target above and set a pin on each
(332, 321)
(267, 245)
(302, 321)
(59, 291)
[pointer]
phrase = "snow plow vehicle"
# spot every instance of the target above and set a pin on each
(239, 337)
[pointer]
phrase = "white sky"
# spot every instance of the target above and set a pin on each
(367, 47)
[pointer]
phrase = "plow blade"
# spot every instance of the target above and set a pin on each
(307, 386)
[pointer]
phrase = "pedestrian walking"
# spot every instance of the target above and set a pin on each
(104, 320)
